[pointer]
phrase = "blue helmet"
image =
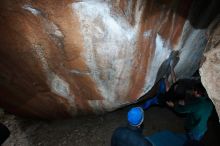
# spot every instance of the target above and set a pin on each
(135, 116)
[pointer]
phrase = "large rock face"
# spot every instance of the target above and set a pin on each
(59, 58)
(210, 70)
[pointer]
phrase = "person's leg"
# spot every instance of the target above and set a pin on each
(165, 93)
(150, 102)
(157, 99)
(162, 87)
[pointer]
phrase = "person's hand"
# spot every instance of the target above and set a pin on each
(170, 103)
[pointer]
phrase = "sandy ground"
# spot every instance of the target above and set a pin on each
(93, 130)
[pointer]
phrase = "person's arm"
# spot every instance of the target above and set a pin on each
(180, 108)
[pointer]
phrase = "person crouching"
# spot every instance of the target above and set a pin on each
(132, 134)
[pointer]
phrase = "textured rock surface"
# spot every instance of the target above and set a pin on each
(210, 70)
(62, 58)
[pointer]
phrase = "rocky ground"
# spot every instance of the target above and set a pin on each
(93, 130)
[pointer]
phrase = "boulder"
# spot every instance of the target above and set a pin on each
(61, 58)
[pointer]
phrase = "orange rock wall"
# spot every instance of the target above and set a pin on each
(63, 58)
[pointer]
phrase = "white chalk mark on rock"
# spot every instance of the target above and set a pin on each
(31, 9)
(147, 33)
(162, 52)
(57, 85)
(108, 36)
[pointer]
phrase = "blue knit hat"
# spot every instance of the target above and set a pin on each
(135, 116)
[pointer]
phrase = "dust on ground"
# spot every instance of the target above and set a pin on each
(92, 130)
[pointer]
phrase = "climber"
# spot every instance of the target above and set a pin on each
(132, 134)
(166, 70)
(179, 89)
(4, 133)
(198, 111)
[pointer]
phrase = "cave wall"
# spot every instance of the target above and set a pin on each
(63, 58)
(210, 69)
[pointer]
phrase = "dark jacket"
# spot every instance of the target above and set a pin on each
(129, 136)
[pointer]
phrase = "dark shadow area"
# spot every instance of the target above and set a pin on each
(212, 136)
(201, 14)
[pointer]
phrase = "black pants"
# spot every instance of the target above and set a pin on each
(4, 133)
